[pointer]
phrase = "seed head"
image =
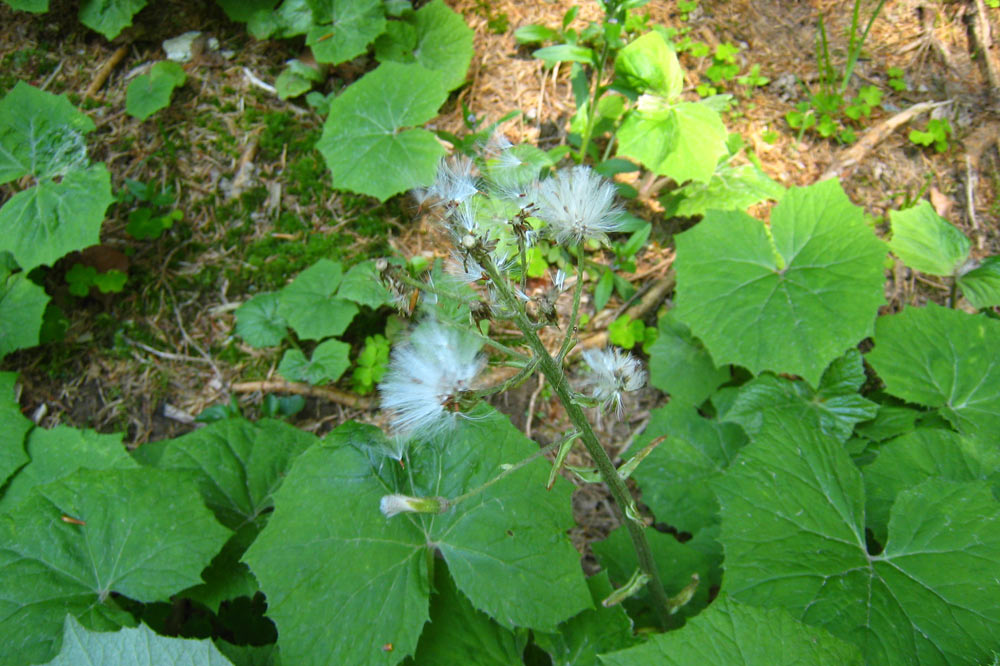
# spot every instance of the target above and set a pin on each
(578, 205)
(426, 375)
(613, 372)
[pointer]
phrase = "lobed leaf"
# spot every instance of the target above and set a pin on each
(793, 528)
(926, 453)
(342, 29)
(680, 365)
(927, 242)
(650, 63)
(59, 452)
(150, 92)
(835, 407)
(581, 638)
(141, 533)
(439, 40)
(309, 306)
(50, 220)
(40, 134)
(239, 465)
(132, 647)
(945, 359)
(729, 188)
(981, 285)
(328, 362)
(791, 297)
(365, 141)
(674, 477)
(459, 634)
(258, 321)
(109, 17)
(735, 634)
(342, 581)
(684, 140)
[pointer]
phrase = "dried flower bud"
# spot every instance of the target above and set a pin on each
(392, 505)
(613, 372)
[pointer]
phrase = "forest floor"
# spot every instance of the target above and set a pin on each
(258, 206)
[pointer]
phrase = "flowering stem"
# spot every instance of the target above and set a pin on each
(577, 291)
(560, 385)
(417, 284)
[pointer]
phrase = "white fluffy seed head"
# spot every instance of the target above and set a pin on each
(613, 372)
(578, 205)
(455, 181)
(426, 375)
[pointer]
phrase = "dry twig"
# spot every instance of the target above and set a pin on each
(105, 71)
(853, 155)
(307, 390)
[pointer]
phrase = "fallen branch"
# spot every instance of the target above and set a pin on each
(853, 155)
(105, 71)
(321, 392)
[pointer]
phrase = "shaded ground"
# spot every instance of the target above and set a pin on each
(258, 207)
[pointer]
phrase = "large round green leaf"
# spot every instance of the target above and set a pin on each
(459, 634)
(309, 306)
(434, 36)
(132, 647)
(942, 358)
(72, 544)
(40, 134)
(835, 406)
(684, 140)
(793, 528)
(342, 581)
(981, 285)
(923, 454)
(109, 17)
(927, 242)
(327, 364)
(238, 464)
(258, 321)
(674, 477)
(150, 92)
(791, 297)
(650, 63)
(680, 365)
(734, 634)
(41, 224)
(342, 29)
(365, 141)
(58, 452)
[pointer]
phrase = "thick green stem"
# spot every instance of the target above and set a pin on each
(560, 385)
